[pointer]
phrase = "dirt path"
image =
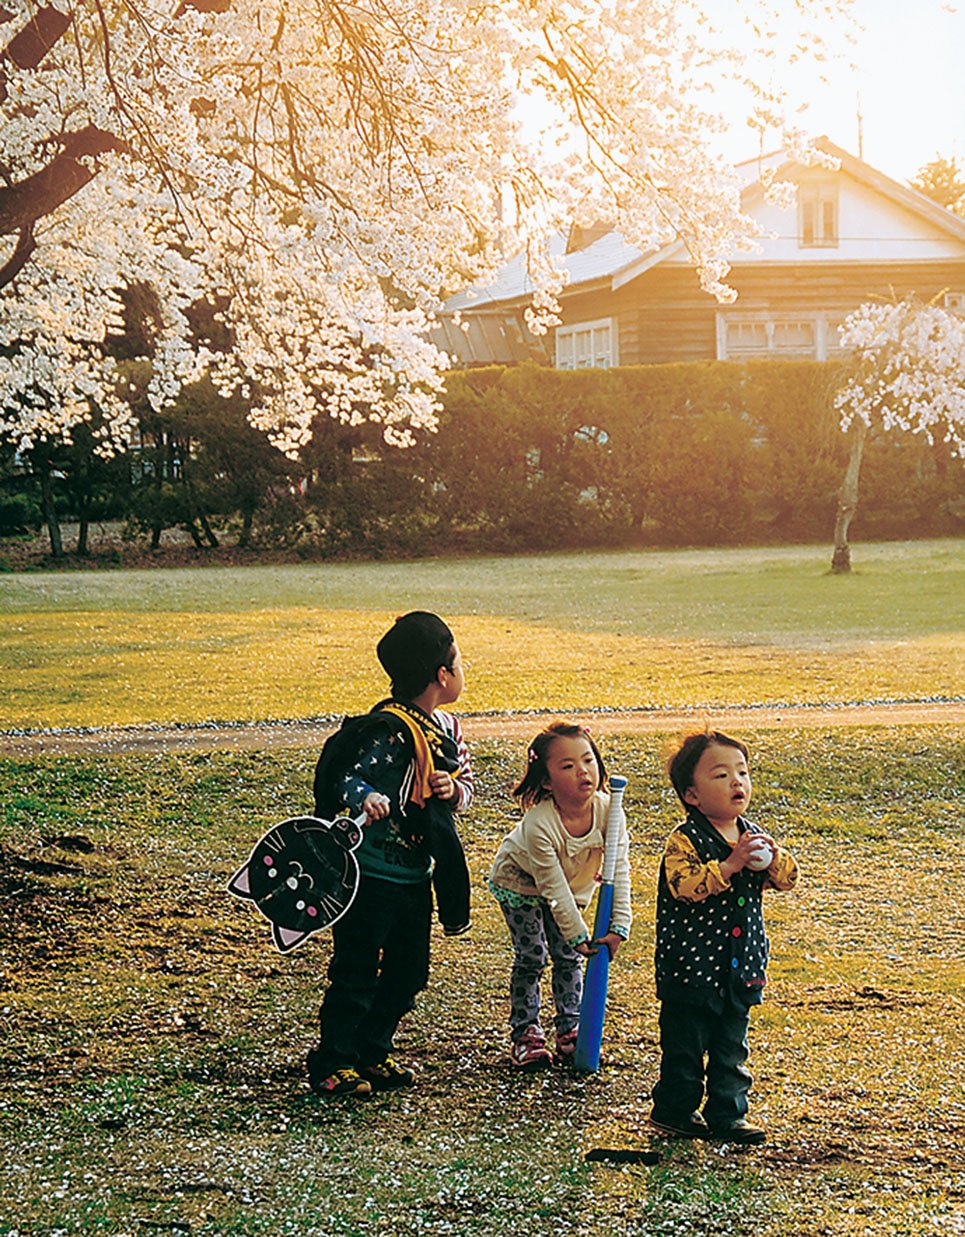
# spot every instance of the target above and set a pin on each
(241, 737)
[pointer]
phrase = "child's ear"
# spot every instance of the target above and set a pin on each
(691, 796)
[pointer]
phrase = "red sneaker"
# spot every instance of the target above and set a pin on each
(566, 1046)
(529, 1051)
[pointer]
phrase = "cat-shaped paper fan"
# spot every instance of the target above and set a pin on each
(302, 875)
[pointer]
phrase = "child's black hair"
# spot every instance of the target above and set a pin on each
(412, 651)
(682, 763)
(532, 787)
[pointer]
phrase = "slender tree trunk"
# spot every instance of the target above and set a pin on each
(210, 536)
(50, 511)
(244, 537)
(82, 489)
(161, 449)
(196, 537)
(848, 500)
(194, 502)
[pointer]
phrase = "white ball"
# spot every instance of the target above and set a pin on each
(762, 856)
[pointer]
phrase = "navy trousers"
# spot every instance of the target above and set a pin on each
(379, 962)
(702, 1052)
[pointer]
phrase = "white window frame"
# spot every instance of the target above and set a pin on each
(818, 199)
(824, 327)
(601, 356)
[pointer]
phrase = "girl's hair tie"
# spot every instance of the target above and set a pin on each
(533, 757)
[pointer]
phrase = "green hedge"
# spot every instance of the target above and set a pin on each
(706, 453)
(530, 458)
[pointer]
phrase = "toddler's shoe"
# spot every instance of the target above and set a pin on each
(387, 1075)
(566, 1046)
(456, 929)
(741, 1131)
(679, 1125)
(529, 1051)
(342, 1082)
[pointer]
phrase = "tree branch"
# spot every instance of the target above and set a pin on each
(21, 255)
(21, 205)
(28, 48)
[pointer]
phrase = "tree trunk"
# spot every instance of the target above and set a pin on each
(190, 526)
(248, 519)
(50, 511)
(848, 500)
(194, 502)
(210, 537)
(82, 490)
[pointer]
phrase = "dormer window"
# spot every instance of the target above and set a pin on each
(817, 216)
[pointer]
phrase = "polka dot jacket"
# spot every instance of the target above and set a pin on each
(711, 945)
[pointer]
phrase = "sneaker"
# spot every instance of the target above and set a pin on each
(566, 1046)
(529, 1050)
(740, 1131)
(343, 1082)
(688, 1125)
(456, 929)
(387, 1075)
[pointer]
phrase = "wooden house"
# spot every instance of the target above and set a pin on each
(853, 234)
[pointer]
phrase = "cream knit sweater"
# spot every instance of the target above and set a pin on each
(540, 857)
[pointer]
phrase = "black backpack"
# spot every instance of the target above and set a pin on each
(339, 751)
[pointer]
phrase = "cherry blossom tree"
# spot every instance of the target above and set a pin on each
(315, 175)
(907, 374)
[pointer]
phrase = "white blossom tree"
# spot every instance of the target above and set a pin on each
(321, 172)
(907, 373)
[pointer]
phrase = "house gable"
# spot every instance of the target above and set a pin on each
(852, 235)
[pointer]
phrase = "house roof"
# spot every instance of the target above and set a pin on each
(598, 261)
(612, 262)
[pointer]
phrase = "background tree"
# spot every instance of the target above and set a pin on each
(908, 374)
(941, 180)
(321, 173)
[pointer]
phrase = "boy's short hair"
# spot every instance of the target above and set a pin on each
(412, 650)
(682, 763)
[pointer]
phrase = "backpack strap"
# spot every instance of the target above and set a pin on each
(426, 741)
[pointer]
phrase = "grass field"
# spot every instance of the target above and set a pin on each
(576, 631)
(153, 1043)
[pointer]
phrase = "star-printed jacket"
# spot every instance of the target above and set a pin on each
(711, 944)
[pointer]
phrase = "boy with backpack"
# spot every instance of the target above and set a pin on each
(406, 766)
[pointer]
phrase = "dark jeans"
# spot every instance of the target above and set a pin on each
(688, 1034)
(379, 962)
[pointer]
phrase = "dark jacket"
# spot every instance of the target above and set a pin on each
(711, 946)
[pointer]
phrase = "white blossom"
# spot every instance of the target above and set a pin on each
(327, 172)
(909, 372)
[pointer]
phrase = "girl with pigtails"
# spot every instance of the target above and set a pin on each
(543, 878)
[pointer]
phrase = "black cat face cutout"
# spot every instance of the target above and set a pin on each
(302, 875)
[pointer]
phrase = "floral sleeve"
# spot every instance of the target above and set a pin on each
(783, 872)
(690, 879)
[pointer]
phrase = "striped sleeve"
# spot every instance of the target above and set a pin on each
(464, 778)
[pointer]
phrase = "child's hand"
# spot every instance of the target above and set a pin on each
(612, 942)
(443, 787)
(586, 948)
(376, 805)
(746, 846)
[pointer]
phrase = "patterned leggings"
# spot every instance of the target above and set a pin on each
(536, 939)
